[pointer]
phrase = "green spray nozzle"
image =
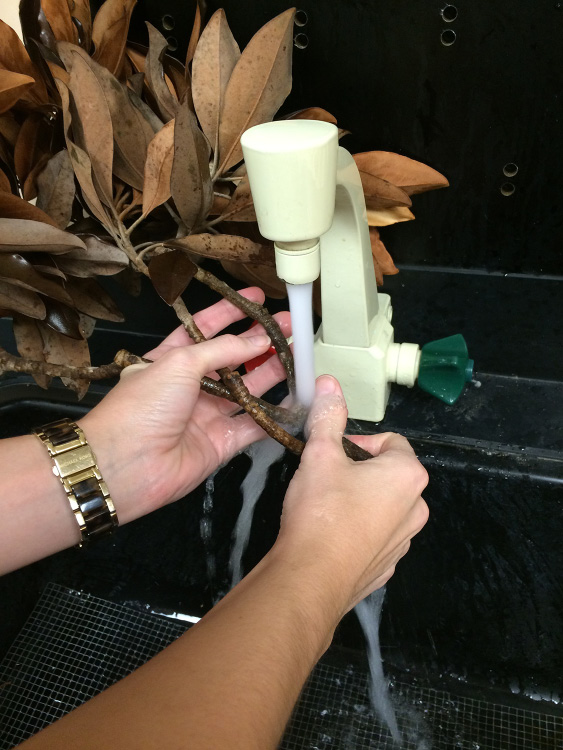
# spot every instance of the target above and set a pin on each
(445, 367)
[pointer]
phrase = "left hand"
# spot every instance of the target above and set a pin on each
(156, 435)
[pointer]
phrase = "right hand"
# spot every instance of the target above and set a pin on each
(351, 521)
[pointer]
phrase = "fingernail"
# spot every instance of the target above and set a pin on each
(326, 385)
(261, 340)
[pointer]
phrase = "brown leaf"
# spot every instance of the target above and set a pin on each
(262, 276)
(154, 71)
(30, 184)
(190, 181)
(14, 57)
(215, 58)
(62, 318)
(98, 251)
(14, 207)
(80, 10)
(57, 14)
(22, 235)
(171, 273)
(23, 301)
(9, 127)
(226, 247)
(89, 298)
(258, 86)
(312, 113)
(30, 344)
(382, 194)
(131, 130)
(25, 152)
(383, 217)
(382, 261)
(12, 87)
(5, 185)
(15, 269)
(241, 206)
(56, 189)
(95, 122)
(109, 33)
(62, 350)
(158, 167)
(81, 163)
(412, 176)
(196, 31)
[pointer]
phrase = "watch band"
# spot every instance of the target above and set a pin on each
(75, 465)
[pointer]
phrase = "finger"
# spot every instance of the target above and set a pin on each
(284, 321)
(384, 442)
(193, 362)
(328, 414)
(210, 321)
(127, 371)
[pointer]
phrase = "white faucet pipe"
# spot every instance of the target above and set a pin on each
(301, 265)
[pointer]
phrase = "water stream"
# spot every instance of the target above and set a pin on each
(301, 309)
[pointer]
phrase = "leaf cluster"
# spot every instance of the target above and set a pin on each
(130, 155)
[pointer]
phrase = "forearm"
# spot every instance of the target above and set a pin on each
(230, 682)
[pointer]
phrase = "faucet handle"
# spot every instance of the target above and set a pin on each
(445, 367)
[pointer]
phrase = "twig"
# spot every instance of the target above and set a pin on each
(11, 363)
(293, 417)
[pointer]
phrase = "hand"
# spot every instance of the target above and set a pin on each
(351, 522)
(156, 435)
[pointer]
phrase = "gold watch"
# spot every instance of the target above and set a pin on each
(75, 465)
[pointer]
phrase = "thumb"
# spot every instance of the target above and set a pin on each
(328, 413)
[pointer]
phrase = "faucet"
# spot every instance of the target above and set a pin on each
(309, 200)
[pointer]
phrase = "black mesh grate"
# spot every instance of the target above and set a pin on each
(74, 645)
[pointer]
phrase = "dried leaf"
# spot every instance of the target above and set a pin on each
(9, 127)
(14, 57)
(15, 269)
(262, 276)
(154, 70)
(26, 145)
(89, 298)
(312, 113)
(21, 235)
(57, 14)
(241, 205)
(30, 184)
(20, 300)
(382, 194)
(5, 185)
(412, 176)
(12, 87)
(80, 11)
(62, 350)
(228, 247)
(382, 261)
(215, 58)
(81, 163)
(95, 122)
(30, 344)
(62, 318)
(13, 207)
(383, 217)
(109, 33)
(56, 189)
(258, 86)
(98, 251)
(190, 181)
(196, 31)
(132, 132)
(171, 273)
(149, 116)
(158, 167)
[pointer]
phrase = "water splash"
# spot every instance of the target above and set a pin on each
(206, 527)
(262, 454)
(301, 309)
(368, 612)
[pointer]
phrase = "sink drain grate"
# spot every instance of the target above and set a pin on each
(74, 645)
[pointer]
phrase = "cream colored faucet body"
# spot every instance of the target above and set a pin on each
(309, 199)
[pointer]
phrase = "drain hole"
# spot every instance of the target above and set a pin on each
(301, 18)
(510, 170)
(449, 13)
(448, 37)
(507, 188)
(301, 41)
(172, 43)
(167, 22)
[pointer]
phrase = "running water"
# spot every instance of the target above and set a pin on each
(301, 309)
(262, 454)
(369, 615)
(206, 527)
